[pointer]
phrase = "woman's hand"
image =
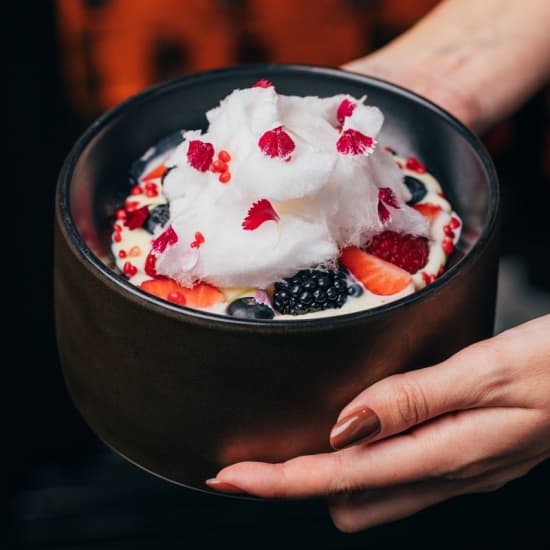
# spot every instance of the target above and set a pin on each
(469, 424)
(478, 60)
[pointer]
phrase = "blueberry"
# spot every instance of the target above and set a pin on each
(249, 308)
(158, 216)
(355, 290)
(416, 187)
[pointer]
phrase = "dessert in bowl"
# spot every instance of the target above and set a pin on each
(182, 386)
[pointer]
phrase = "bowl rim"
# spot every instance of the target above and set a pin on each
(108, 276)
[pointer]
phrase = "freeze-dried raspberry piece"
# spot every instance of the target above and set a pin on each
(353, 142)
(167, 238)
(200, 154)
(136, 218)
(276, 143)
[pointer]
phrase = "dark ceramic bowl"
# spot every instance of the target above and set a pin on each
(182, 393)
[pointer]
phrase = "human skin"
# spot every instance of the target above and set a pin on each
(482, 417)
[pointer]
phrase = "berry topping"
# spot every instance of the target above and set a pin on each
(167, 238)
(415, 165)
(156, 172)
(151, 265)
(200, 154)
(428, 210)
(129, 269)
(199, 240)
(353, 142)
(260, 212)
(136, 218)
(262, 83)
(448, 246)
(405, 251)
(416, 187)
(310, 290)
(345, 109)
(377, 275)
(158, 216)
(276, 143)
(224, 156)
(224, 177)
(455, 223)
(249, 308)
(200, 295)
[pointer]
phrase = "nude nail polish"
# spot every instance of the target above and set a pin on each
(355, 428)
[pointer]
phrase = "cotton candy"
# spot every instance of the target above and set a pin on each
(324, 199)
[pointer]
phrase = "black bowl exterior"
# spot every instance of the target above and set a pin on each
(182, 393)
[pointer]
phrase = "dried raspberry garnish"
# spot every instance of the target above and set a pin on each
(167, 238)
(408, 252)
(263, 83)
(200, 154)
(136, 218)
(415, 165)
(353, 142)
(199, 240)
(151, 265)
(260, 212)
(344, 110)
(276, 143)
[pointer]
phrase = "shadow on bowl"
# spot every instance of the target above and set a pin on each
(182, 393)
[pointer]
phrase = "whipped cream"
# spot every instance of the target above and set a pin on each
(313, 163)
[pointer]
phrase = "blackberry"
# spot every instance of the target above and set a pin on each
(311, 290)
(416, 187)
(158, 216)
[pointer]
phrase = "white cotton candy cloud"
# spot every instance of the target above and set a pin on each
(320, 194)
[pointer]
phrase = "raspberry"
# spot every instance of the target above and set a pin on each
(401, 249)
(200, 154)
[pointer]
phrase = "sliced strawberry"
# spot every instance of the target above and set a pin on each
(200, 295)
(428, 210)
(162, 288)
(203, 295)
(377, 275)
(155, 173)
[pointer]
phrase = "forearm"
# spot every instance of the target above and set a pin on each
(478, 59)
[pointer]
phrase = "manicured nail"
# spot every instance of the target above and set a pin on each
(355, 428)
(223, 486)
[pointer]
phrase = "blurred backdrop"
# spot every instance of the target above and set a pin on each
(70, 60)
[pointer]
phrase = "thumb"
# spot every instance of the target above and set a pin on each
(394, 404)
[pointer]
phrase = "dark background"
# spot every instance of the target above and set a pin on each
(64, 489)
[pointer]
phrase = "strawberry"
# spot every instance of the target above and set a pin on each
(401, 249)
(377, 275)
(428, 210)
(155, 173)
(200, 295)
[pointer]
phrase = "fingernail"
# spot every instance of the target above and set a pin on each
(223, 486)
(354, 428)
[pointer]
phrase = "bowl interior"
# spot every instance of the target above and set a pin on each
(97, 171)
